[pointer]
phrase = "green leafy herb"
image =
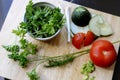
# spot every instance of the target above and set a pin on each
(14, 56)
(20, 52)
(86, 77)
(29, 10)
(20, 32)
(23, 60)
(92, 78)
(42, 21)
(32, 48)
(12, 48)
(59, 61)
(87, 69)
(23, 42)
(33, 75)
(28, 46)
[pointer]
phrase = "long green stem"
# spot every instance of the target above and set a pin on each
(39, 64)
(69, 54)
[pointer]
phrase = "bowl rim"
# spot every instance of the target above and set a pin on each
(44, 4)
(47, 38)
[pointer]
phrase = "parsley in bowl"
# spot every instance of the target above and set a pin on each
(43, 20)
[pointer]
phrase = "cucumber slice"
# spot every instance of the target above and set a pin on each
(76, 29)
(99, 26)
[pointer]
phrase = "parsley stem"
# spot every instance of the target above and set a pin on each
(39, 64)
(79, 53)
(59, 60)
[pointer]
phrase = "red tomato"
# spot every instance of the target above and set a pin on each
(89, 38)
(103, 53)
(78, 39)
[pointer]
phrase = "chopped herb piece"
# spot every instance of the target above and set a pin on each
(87, 68)
(33, 75)
(86, 77)
(92, 78)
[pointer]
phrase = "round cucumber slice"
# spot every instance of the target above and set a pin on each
(99, 26)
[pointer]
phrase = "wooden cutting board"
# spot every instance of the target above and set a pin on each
(56, 46)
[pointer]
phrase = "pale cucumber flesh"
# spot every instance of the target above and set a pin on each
(99, 26)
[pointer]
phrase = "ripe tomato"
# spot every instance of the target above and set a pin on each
(78, 39)
(89, 38)
(81, 39)
(103, 53)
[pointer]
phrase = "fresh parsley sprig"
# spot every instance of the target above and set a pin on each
(21, 30)
(19, 52)
(33, 75)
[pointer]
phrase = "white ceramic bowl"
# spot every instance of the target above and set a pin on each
(46, 38)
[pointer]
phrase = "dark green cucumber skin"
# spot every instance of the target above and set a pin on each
(81, 18)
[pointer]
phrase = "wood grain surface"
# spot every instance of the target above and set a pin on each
(56, 46)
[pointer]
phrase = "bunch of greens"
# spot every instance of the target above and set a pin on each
(43, 21)
(20, 51)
